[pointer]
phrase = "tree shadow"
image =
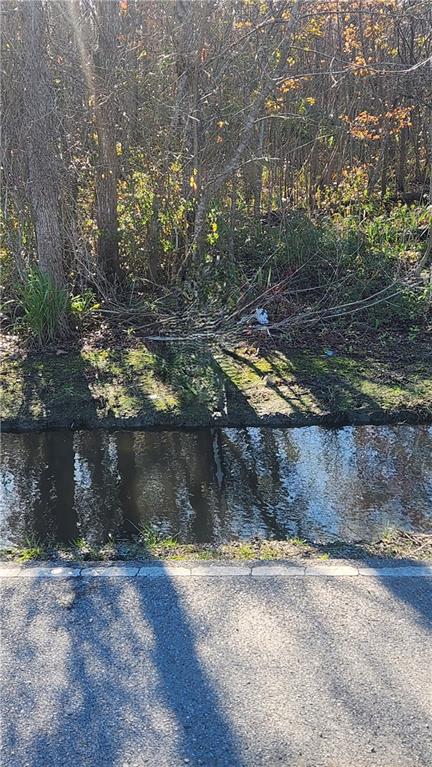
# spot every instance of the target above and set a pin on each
(335, 392)
(403, 589)
(400, 587)
(295, 400)
(114, 669)
(186, 386)
(76, 391)
(347, 646)
(204, 391)
(332, 390)
(56, 393)
(115, 698)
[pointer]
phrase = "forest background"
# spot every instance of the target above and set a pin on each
(229, 172)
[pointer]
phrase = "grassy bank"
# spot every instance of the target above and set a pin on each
(138, 386)
(393, 546)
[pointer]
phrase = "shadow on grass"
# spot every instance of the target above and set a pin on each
(56, 392)
(202, 388)
(311, 378)
(294, 400)
(169, 385)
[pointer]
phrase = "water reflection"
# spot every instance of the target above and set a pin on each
(215, 485)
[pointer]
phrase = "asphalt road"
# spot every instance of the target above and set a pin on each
(123, 672)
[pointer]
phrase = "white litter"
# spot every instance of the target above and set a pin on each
(262, 316)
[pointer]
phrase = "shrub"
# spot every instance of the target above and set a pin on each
(84, 305)
(45, 307)
(329, 261)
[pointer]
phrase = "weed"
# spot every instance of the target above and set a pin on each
(205, 554)
(245, 551)
(84, 305)
(44, 306)
(31, 550)
(389, 535)
(297, 541)
(80, 544)
(268, 552)
(168, 543)
(325, 555)
(151, 537)
(86, 550)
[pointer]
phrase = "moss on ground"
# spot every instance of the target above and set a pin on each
(307, 383)
(170, 386)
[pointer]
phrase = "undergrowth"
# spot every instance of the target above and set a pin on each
(44, 307)
(331, 268)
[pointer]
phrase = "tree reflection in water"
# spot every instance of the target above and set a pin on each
(214, 485)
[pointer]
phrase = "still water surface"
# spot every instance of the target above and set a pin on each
(217, 484)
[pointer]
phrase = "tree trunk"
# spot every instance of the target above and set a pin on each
(42, 144)
(105, 123)
(401, 168)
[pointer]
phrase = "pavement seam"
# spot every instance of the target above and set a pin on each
(284, 570)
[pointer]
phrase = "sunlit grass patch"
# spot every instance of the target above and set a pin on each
(32, 549)
(154, 540)
(140, 359)
(245, 551)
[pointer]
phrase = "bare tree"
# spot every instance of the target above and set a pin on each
(150, 118)
(105, 63)
(42, 141)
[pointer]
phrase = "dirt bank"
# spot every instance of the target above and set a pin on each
(137, 387)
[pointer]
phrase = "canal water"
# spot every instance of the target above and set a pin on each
(216, 485)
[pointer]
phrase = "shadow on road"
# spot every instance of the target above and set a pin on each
(123, 669)
(102, 670)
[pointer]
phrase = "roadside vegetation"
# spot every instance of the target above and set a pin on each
(149, 545)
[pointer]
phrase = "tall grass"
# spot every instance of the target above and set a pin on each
(45, 308)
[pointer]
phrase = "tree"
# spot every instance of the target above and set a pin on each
(104, 103)
(42, 140)
(140, 123)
